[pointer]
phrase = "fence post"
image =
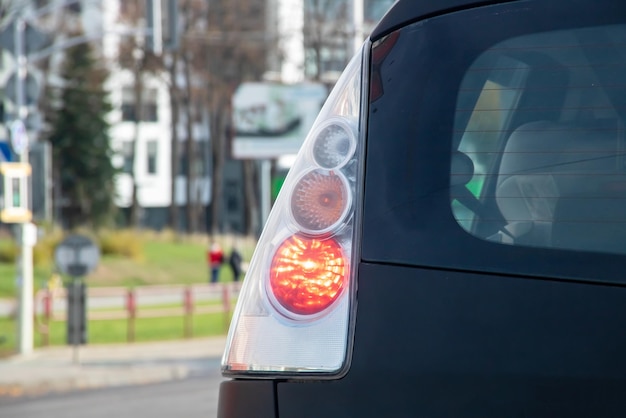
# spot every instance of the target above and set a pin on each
(47, 314)
(188, 305)
(131, 308)
(226, 304)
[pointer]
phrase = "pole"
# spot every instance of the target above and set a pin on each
(25, 268)
(357, 21)
(157, 30)
(47, 315)
(75, 318)
(266, 190)
(131, 309)
(188, 307)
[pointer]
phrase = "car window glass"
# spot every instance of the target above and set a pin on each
(539, 122)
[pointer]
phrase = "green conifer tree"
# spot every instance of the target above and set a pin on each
(80, 140)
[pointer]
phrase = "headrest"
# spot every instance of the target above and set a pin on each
(462, 169)
(545, 147)
(534, 148)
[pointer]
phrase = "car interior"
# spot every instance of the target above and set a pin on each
(545, 142)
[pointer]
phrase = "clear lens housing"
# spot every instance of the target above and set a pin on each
(334, 144)
(320, 200)
(293, 313)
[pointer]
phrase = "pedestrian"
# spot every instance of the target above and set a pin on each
(235, 263)
(215, 258)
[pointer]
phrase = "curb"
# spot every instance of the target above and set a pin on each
(52, 370)
(87, 379)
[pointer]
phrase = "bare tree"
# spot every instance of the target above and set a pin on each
(235, 52)
(192, 24)
(327, 32)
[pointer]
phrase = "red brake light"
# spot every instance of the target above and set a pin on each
(307, 274)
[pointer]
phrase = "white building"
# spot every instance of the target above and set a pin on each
(152, 162)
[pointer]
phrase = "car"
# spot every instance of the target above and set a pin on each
(451, 239)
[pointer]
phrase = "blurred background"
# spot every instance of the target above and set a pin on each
(154, 128)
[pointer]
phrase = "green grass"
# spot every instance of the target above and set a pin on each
(164, 262)
(196, 303)
(8, 279)
(116, 331)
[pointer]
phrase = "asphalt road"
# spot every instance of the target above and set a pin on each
(190, 398)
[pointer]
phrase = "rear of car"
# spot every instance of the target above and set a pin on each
(451, 240)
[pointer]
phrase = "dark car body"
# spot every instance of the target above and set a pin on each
(489, 244)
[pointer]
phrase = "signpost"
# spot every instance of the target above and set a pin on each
(76, 256)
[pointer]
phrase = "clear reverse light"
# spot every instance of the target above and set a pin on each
(320, 200)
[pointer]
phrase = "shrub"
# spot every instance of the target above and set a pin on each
(43, 252)
(8, 251)
(124, 243)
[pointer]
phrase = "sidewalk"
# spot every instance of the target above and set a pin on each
(54, 369)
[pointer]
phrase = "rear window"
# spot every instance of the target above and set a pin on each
(496, 141)
(540, 154)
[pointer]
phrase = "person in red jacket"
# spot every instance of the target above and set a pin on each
(215, 258)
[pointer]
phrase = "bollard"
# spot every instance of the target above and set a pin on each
(188, 306)
(131, 308)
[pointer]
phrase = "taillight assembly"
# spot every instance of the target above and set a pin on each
(294, 309)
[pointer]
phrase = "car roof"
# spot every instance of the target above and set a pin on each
(403, 12)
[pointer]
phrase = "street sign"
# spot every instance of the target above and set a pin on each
(6, 155)
(76, 256)
(19, 136)
(31, 89)
(34, 39)
(33, 121)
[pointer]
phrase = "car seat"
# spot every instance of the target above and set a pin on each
(555, 185)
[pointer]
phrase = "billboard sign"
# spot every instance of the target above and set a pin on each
(272, 119)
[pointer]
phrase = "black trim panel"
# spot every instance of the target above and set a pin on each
(246, 399)
(407, 11)
(440, 344)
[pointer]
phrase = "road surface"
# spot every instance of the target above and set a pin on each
(195, 396)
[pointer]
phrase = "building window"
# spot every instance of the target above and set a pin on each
(149, 110)
(200, 163)
(128, 150)
(375, 9)
(183, 161)
(152, 149)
